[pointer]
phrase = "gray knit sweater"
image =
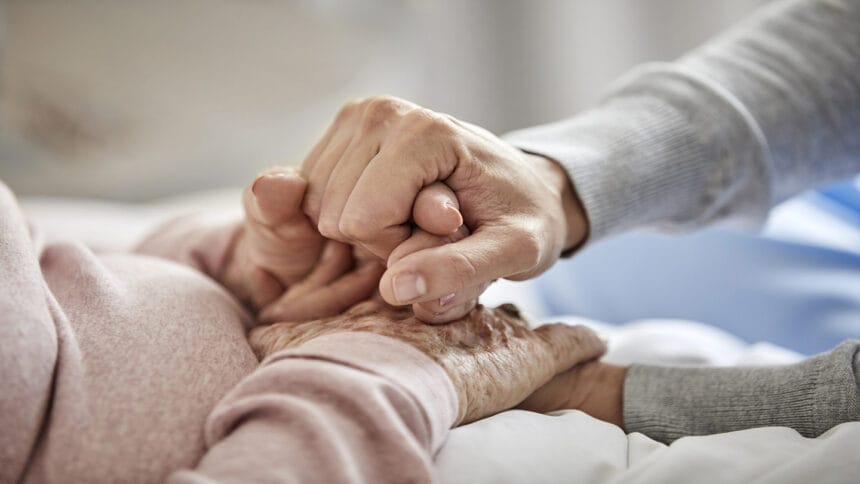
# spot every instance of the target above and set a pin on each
(749, 119)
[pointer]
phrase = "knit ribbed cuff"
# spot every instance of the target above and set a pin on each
(812, 396)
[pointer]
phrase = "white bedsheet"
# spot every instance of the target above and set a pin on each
(569, 446)
(572, 447)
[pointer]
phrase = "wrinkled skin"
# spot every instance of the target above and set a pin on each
(492, 356)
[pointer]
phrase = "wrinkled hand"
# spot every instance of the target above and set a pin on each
(365, 176)
(594, 387)
(281, 263)
(493, 358)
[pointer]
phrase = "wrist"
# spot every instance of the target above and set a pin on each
(605, 400)
(576, 222)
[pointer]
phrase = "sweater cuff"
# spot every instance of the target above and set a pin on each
(666, 149)
(811, 396)
(394, 360)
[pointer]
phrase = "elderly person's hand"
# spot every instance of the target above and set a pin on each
(365, 176)
(493, 358)
(277, 249)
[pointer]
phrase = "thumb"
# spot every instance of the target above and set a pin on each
(275, 197)
(428, 274)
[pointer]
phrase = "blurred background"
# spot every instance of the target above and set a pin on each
(105, 102)
(137, 100)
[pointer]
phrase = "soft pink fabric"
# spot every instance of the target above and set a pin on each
(112, 366)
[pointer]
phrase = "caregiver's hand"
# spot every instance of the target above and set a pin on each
(493, 358)
(366, 172)
(594, 387)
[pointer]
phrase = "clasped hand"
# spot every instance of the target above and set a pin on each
(282, 266)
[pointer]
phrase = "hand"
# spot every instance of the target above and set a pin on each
(281, 262)
(493, 358)
(365, 176)
(594, 387)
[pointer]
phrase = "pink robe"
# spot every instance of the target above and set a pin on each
(135, 367)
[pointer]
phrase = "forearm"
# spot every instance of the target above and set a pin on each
(348, 407)
(812, 396)
(749, 119)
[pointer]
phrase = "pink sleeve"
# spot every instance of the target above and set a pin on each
(346, 407)
(193, 240)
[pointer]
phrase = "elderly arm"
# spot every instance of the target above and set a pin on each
(342, 408)
(368, 396)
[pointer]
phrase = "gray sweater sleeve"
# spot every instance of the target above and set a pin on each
(812, 396)
(768, 109)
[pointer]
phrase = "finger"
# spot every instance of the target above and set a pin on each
(376, 118)
(281, 239)
(377, 211)
(344, 114)
(436, 272)
(341, 182)
(437, 210)
(319, 175)
(275, 197)
(336, 260)
(452, 312)
(340, 125)
(420, 240)
(570, 345)
(449, 307)
(265, 288)
(329, 300)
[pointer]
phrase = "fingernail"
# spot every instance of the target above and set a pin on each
(456, 213)
(255, 187)
(408, 287)
(446, 299)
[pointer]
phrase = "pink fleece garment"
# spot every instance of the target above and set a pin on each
(134, 368)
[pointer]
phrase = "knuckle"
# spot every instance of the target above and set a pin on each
(354, 228)
(378, 111)
(586, 337)
(560, 339)
(349, 108)
(329, 228)
(530, 248)
(312, 206)
(429, 123)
